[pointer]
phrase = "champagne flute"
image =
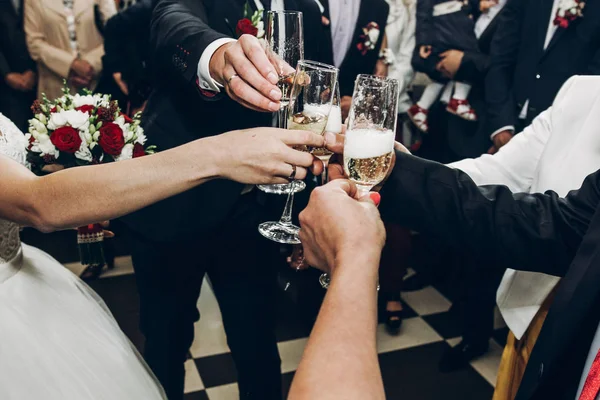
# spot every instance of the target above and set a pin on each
(334, 125)
(285, 47)
(370, 134)
(309, 108)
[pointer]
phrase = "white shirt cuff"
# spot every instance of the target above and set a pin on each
(206, 81)
(504, 128)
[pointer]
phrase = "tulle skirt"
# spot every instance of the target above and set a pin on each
(58, 341)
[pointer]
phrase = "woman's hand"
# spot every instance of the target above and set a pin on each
(265, 155)
(335, 226)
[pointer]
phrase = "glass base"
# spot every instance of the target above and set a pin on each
(283, 188)
(280, 233)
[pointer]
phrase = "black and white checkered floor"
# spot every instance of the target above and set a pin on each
(408, 361)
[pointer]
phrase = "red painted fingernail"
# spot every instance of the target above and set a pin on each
(376, 197)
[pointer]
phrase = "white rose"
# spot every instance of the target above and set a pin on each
(127, 134)
(374, 35)
(261, 29)
(57, 120)
(141, 137)
(126, 153)
(87, 100)
(77, 119)
(84, 153)
(46, 146)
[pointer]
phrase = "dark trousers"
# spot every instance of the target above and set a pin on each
(16, 106)
(394, 260)
(236, 259)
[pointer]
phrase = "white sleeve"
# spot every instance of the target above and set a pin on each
(206, 81)
(515, 165)
(504, 128)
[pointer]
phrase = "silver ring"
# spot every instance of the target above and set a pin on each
(231, 78)
(293, 174)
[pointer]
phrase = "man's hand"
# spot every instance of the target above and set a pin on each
(335, 226)
(29, 79)
(450, 63)
(248, 76)
(15, 81)
(83, 69)
(425, 51)
(500, 140)
(485, 5)
(265, 155)
(78, 81)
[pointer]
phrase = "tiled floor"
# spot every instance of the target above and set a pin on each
(408, 361)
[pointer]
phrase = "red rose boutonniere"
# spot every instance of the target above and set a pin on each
(251, 24)
(568, 11)
(369, 38)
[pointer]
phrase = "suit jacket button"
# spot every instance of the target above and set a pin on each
(538, 76)
(541, 371)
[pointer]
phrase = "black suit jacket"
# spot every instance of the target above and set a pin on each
(533, 232)
(178, 113)
(355, 62)
(521, 69)
(14, 56)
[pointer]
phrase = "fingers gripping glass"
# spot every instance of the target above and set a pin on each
(308, 110)
(370, 134)
(285, 47)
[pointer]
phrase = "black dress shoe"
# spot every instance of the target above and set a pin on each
(461, 355)
(393, 319)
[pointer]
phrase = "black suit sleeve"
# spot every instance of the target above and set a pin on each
(4, 67)
(534, 232)
(473, 67)
(424, 31)
(179, 34)
(500, 102)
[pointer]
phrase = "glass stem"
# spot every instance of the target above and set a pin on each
(282, 117)
(325, 173)
(286, 217)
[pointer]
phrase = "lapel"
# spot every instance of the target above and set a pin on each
(491, 28)
(56, 5)
(557, 35)
(545, 9)
(576, 294)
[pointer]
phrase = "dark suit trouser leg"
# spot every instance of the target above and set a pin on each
(245, 281)
(169, 279)
(480, 287)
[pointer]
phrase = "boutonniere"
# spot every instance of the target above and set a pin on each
(369, 38)
(251, 24)
(568, 11)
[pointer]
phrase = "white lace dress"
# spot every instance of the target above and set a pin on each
(58, 341)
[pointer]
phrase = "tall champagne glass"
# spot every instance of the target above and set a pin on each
(334, 125)
(310, 104)
(370, 134)
(285, 47)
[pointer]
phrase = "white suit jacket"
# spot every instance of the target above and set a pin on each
(556, 152)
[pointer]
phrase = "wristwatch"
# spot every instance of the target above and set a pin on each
(387, 56)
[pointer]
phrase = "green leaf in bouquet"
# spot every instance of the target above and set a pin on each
(92, 128)
(87, 92)
(247, 10)
(151, 149)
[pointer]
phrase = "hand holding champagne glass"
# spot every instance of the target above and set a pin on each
(370, 135)
(285, 47)
(310, 104)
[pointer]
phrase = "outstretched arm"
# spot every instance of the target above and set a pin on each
(83, 195)
(535, 232)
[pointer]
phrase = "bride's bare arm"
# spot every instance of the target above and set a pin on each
(83, 195)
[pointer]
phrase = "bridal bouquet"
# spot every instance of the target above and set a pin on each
(77, 130)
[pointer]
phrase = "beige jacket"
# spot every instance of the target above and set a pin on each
(48, 39)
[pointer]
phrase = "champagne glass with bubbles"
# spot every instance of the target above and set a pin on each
(370, 134)
(334, 125)
(285, 47)
(310, 104)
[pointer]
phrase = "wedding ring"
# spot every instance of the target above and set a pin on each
(231, 78)
(293, 174)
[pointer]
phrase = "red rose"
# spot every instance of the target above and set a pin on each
(138, 150)
(126, 118)
(66, 139)
(31, 140)
(245, 27)
(111, 138)
(86, 108)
